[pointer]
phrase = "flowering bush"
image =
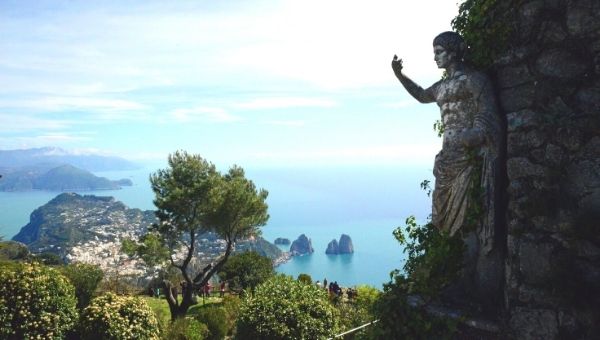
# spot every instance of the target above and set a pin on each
(283, 308)
(36, 302)
(118, 317)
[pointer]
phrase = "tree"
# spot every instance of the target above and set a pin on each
(191, 198)
(246, 270)
(85, 278)
(284, 308)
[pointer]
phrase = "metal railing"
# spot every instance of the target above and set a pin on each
(354, 330)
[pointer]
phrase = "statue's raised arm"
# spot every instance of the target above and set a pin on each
(423, 96)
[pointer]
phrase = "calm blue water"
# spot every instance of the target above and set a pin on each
(365, 203)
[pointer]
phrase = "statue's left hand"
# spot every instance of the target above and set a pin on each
(397, 65)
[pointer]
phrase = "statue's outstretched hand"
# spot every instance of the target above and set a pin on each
(397, 65)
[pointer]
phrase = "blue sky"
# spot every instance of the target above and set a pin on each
(246, 82)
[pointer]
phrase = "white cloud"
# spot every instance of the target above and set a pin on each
(20, 123)
(408, 153)
(285, 102)
(286, 123)
(60, 103)
(42, 140)
(210, 114)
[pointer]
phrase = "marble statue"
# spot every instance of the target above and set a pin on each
(466, 168)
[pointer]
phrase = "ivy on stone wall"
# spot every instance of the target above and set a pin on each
(484, 24)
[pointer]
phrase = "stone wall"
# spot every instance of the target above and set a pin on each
(549, 89)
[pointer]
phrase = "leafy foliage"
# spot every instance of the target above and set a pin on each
(186, 329)
(438, 127)
(118, 317)
(434, 261)
(215, 318)
(35, 301)
(283, 308)
(485, 26)
(150, 247)
(49, 259)
(360, 311)
(246, 270)
(11, 250)
(192, 197)
(434, 257)
(85, 278)
(305, 278)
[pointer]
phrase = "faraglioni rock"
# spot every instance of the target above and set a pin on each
(332, 248)
(301, 246)
(345, 245)
(282, 241)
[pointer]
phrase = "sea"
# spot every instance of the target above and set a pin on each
(365, 202)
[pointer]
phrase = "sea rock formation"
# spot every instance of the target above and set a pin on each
(344, 246)
(332, 248)
(301, 246)
(282, 241)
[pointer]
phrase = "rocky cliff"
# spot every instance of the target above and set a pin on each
(282, 241)
(332, 248)
(301, 246)
(346, 246)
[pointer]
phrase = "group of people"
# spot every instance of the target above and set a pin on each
(203, 291)
(335, 290)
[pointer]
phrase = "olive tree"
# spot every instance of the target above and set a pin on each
(192, 198)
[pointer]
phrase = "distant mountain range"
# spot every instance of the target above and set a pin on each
(52, 156)
(55, 169)
(61, 178)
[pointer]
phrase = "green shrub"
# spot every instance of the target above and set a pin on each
(283, 308)
(434, 261)
(12, 250)
(231, 304)
(85, 278)
(186, 329)
(246, 270)
(305, 278)
(215, 318)
(118, 317)
(359, 311)
(35, 301)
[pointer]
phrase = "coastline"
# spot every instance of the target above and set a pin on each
(284, 258)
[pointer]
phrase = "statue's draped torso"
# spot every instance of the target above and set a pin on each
(467, 105)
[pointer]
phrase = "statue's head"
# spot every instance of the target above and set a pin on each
(452, 43)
